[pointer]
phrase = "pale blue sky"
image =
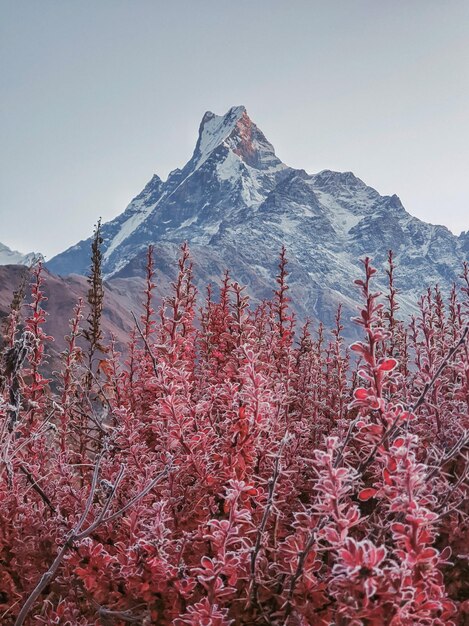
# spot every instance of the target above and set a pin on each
(97, 95)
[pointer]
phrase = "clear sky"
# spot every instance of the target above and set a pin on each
(97, 95)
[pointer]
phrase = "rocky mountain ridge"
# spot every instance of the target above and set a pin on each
(236, 204)
(13, 257)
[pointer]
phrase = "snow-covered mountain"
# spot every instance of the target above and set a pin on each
(12, 257)
(237, 203)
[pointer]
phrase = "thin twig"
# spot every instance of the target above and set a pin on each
(260, 531)
(147, 346)
(37, 488)
(77, 534)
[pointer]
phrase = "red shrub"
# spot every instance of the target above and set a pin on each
(227, 475)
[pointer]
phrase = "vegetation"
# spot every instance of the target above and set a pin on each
(229, 470)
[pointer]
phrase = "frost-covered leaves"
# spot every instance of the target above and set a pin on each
(302, 486)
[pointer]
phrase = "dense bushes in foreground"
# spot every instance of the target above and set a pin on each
(232, 472)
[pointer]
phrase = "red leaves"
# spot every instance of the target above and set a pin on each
(289, 464)
(361, 394)
(359, 567)
(387, 476)
(387, 365)
(366, 494)
(367, 398)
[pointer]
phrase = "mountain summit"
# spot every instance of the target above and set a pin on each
(233, 167)
(236, 203)
(237, 132)
(12, 257)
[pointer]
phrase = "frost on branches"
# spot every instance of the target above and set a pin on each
(230, 471)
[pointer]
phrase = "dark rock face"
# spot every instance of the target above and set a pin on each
(236, 203)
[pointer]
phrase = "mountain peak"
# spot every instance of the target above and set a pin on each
(233, 114)
(330, 178)
(12, 257)
(238, 133)
(214, 130)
